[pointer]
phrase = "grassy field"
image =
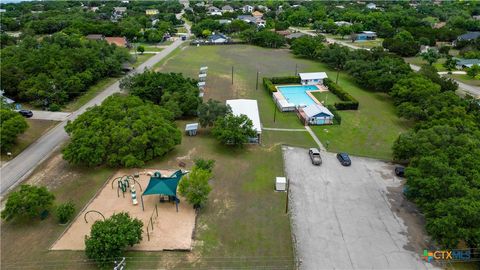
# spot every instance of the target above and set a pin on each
(148, 47)
(36, 128)
(465, 79)
(327, 98)
(370, 131)
(417, 60)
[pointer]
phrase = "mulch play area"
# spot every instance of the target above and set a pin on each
(167, 230)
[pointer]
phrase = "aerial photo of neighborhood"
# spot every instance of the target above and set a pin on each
(240, 134)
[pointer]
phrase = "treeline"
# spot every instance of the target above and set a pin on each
(442, 149)
(58, 68)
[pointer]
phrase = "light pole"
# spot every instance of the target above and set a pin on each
(256, 86)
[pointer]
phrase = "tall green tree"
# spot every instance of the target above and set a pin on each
(123, 131)
(308, 46)
(233, 130)
(431, 56)
(195, 187)
(210, 111)
(109, 238)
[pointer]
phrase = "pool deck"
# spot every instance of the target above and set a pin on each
(321, 88)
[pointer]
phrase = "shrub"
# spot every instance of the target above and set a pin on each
(267, 83)
(65, 212)
(54, 107)
(205, 164)
(348, 102)
(286, 79)
(195, 188)
(337, 119)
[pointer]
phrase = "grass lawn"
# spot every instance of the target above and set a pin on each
(181, 29)
(91, 93)
(327, 98)
(465, 79)
(36, 128)
(142, 58)
(148, 47)
(417, 60)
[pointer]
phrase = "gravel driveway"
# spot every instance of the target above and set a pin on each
(341, 216)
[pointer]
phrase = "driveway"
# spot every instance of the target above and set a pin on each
(46, 115)
(342, 217)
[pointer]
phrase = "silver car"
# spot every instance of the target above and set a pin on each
(315, 156)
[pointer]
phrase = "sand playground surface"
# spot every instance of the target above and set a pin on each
(172, 230)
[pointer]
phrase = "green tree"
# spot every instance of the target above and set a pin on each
(473, 71)
(211, 110)
(195, 187)
(446, 84)
(307, 46)
(431, 56)
(172, 91)
(65, 212)
(28, 202)
(140, 49)
(205, 164)
(450, 63)
(233, 130)
(11, 125)
(109, 238)
(123, 131)
(335, 56)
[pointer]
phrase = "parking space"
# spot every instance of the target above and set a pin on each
(342, 216)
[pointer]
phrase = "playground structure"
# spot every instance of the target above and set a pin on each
(165, 227)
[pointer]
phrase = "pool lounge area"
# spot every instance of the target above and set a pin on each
(290, 97)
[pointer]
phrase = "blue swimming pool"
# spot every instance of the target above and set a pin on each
(297, 94)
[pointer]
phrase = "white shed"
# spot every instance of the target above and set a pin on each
(312, 77)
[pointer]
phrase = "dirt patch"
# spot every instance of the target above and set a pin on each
(172, 230)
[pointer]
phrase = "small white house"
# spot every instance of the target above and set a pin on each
(248, 107)
(312, 78)
(247, 9)
(317, 114)
(371, 6)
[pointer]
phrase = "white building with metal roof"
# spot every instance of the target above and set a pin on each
(248, 107)
(312, 77)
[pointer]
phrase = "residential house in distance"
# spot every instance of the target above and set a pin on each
(467, 37)
(247, 9)
(371, 6)
(250, 19)
(118, 13)
(224, 21)
(263, 8)
(365, 35)
(2, 10)
(214, 11)
(118, 41)
(151, 12)
(310, 78)
(95, 37)
(476, 17)
(218, 39)
(425, 48)
(94, 9)
(342, 23)
(227, 8)
(315, 114)
(439, 25)
(248, 107)
(466, 63)
(257, 14)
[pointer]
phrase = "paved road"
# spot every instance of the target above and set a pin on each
(16, 170)
(46, 115)
(342, 217)
(473, 90)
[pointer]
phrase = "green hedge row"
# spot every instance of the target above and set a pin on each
(267, 83)
(348, 102)
(286, 79)
(337, 119)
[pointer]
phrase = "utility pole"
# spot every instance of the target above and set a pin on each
(296, 69)
(286, 203)
(232, 74)
(274, 112)
(256, 86)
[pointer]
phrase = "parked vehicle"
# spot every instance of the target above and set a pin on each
(314, 154)
(344, 159)
(26, 113)
(400, 171)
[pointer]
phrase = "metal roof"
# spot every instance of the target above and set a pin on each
(192, 126)
(313, 75)
(315, 109)
(248, 107)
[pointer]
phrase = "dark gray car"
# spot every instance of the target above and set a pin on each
(314, 154)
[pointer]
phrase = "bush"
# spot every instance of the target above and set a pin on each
(28, 202)
(267, 83)
(12, 124)
(205, 164)
(65, 212)
(54, 107)
(195, 188)
(337, 119)
(348, 102)
(286, 79)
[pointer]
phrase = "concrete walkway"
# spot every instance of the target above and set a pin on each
(46, 115)
(284, 129)
(315, 138)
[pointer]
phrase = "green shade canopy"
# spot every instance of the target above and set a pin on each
(163, 185)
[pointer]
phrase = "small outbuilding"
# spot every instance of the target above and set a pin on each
(281, 184)
(191, 129)
(366, 35)
(316, 114)
(311, 78)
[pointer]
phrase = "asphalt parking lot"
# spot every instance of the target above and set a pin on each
(342, 217)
